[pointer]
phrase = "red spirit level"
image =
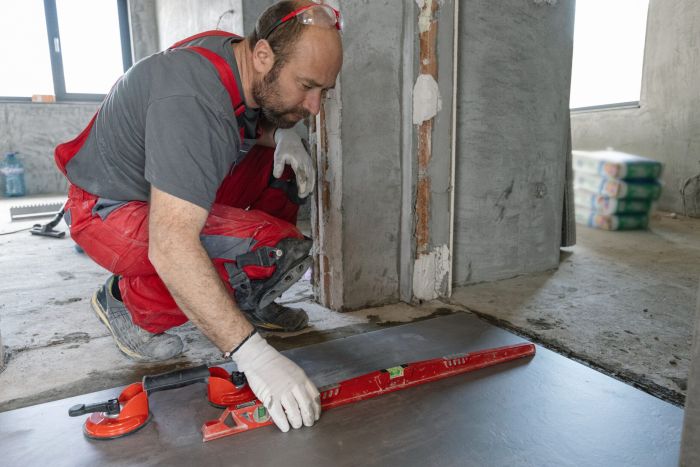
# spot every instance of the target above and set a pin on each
(126, 414)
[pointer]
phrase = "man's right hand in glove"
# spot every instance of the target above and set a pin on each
(284, 389)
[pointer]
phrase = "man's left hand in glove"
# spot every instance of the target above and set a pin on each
(290, 150)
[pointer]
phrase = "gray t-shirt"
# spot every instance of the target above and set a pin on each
(168, 122)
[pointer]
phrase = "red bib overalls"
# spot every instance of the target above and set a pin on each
(250, 212)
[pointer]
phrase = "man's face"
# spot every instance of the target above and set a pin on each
(279, 111)
(293, 91)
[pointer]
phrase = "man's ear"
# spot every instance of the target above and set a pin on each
(263, 57)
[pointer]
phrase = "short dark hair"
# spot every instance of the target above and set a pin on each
(282, 39)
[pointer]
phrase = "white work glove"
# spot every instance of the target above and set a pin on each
(290, 150)
(284, 389)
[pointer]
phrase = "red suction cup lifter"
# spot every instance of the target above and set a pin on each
(122, 416)
(116, 417)
(226, 389)
(126, 414)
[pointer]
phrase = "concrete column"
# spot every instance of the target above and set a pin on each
(513, 90)
(251, 11)
(144, 28)
(358, 211)
(690, 444)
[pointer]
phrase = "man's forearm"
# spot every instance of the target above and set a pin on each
(195, 285)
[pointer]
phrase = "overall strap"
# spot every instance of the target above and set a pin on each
(215, 32)
(225, 75)
(222, 67)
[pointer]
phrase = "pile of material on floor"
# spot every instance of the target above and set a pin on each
(615, 190)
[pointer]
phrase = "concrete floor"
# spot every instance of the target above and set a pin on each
(621, 302)
(544, 410)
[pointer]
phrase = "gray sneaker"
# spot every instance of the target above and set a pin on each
(276, 317)
(134, 342)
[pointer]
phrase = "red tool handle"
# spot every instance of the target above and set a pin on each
(253, 414)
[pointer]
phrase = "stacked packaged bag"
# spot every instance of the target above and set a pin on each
(614, 190)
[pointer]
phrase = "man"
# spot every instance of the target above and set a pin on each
(162, 196)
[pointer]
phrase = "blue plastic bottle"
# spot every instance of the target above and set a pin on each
(13, 170)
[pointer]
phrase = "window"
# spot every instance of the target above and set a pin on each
(608, 53)
(73, 49)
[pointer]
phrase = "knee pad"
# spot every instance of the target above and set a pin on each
(292, 260)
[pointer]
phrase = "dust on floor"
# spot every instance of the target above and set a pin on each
(622, 302)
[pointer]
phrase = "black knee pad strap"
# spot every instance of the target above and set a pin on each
(291, 258)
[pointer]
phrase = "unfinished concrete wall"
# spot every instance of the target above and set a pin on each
(389, 156)
(371, 150)
(178, 19)
(358, 140)
(251, 11)
(143, 24)
(34, 130)
(514, 80)
(666, 126)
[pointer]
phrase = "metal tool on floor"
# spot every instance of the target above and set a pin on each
(129, 412)
(30, 211)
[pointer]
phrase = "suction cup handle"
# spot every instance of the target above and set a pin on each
(175, 379)
(238, 379)
(111, 407)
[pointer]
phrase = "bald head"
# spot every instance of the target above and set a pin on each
(292, 76)
(282, 37)
(319, 51)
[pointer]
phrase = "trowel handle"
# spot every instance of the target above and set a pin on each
(175, 379)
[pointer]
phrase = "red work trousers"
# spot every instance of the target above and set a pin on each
(248, 214)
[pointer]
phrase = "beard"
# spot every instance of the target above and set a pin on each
(267, 94)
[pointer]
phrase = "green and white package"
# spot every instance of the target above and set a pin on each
(611, 221)
(606, 205)
(615, 164)
(616, 188)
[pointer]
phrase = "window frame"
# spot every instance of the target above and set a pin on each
(613, 106)
(637, 104)
(55, 54)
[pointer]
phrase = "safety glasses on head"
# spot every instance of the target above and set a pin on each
(311, 15)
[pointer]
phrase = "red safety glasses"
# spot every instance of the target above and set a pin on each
(311, 15)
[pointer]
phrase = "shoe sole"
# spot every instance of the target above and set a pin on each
(102, 315)
(265, 326)
(295, 272)
(271, 327)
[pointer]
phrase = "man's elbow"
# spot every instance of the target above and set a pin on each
(166, 250)
(154, 256)
(158, 254)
